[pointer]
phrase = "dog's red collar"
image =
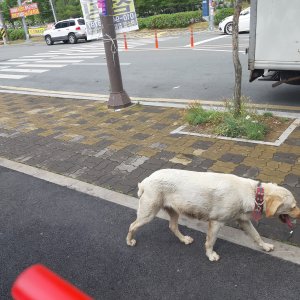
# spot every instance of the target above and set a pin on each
(259, 202)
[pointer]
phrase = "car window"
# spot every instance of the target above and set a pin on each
(81, 21)
(72, 23)
(65, 24)
(58, 25)
(245, 12)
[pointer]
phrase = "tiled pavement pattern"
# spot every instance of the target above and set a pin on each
(117, 149)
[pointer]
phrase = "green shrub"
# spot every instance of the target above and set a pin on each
(242, 127)
(248, 125)
(222, 13)
(16, 34)
(177, 20)
(197, 115)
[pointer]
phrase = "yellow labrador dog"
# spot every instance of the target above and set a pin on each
(209, 196)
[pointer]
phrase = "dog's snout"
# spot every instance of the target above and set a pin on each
(295, 213)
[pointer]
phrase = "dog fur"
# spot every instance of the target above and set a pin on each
(214, 197)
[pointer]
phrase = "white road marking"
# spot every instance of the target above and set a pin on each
(215, 50)
(24, 59)
(7, 76)
(10, 63)
(42, 65)
(208, 40)
(99, 64)
(89, 55)
(24, 70)
(62, 61)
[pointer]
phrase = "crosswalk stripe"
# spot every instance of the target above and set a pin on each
(99, 64)
(24, 59)
(8, 76)
(24, 70)
(42, 66)
(10, 63)
(62, 61)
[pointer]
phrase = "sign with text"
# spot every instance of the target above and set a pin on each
(124, 16)
(125, 19)
(92, 19)
(24, 11)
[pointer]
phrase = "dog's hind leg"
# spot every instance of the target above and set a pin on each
(213, 229)
(146, 212)
(173, 225)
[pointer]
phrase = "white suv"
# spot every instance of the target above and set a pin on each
(68, 31)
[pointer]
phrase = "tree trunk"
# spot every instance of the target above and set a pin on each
(236, 59)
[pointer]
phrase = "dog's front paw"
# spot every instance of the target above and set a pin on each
(131, 242)
(187, 240)
(213, 256)
(267, 247)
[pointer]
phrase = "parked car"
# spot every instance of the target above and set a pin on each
(244, 22)
(68, 31)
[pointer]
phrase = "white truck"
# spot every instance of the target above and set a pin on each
(274, 46)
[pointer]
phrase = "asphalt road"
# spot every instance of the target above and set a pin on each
(82, 238)
(173, 71)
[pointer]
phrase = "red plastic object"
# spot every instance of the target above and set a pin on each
(156, 40)
(39, 283)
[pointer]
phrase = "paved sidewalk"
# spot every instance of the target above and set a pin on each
(116, 150)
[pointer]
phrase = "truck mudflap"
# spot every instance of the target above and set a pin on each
(255, 74)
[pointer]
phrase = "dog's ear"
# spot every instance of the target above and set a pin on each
(272, 205)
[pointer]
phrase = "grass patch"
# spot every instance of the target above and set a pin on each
(249, 125)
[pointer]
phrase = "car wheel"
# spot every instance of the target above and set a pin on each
(228, 28)
(72, 38)
(48, 40)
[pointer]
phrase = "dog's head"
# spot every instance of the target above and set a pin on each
(280, 201)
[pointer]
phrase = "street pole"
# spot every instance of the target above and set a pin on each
(3, 28)
(211, 16)
(24, 24)
(118, 98)
(53, 11)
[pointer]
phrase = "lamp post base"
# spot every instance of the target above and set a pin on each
(118, 100)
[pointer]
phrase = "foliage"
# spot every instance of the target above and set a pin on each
(68, 9)
(176, 20)
(222, 13)
(248, 125)
(146, 8)
(16, 34)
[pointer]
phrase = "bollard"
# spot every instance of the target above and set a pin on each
(156, 40)
(125, 41)
(192, 37)
(39, 283)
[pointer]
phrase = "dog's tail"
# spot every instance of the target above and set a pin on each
(141, 190)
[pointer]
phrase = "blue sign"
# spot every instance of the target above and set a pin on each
(205, 8)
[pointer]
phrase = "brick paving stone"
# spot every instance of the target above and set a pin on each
(125, 127)
(141, 136)
(159, 126)
(285, 157)
(235, 158)
(241, 170)
(292, 180)
(204, 145)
